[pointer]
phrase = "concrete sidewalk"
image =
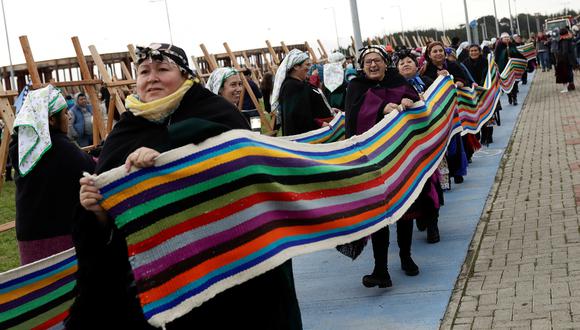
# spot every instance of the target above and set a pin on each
(525, 270)
(329, 285)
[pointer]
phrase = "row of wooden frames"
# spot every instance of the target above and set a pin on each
(117, 88)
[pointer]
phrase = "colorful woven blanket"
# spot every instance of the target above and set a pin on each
(514, 70)
(210, 216)
(38, 295)
(290, 185)
(528, 50)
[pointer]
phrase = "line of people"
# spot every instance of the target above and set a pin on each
(167, 96)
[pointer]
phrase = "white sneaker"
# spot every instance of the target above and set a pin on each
(564, 91)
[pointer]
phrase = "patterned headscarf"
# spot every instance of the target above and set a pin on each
(33, 127)
(218, 77)
(373, 49)
(160, 52)
(294, 57)
(333, 71)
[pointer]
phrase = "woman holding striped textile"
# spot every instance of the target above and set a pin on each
(437, 64)
(369, 97)
(426, 208)
(168, 111)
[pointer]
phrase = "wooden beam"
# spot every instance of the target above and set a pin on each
(249, 91)
(273, 53)
(284, 48)
(249, 67)
(210, 59)
(197, 69)
(325, 54)
(268, 64)
(32, 69)
(311, 52)
(132, 53)
(98, 133)
(8, 225)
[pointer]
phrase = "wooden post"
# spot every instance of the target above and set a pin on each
(273, 53)
(325, 54)
(415, 41)
(268, 64)
(126, 72)
(114, 91)
(249, 91)
(7, 115)
(98, 133)
(353, 44)
(249, 67)
(197, 69)
(210, 59)
(311, 52)
(32, 69)
(284, 48)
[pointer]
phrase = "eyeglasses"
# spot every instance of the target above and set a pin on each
(370, 61)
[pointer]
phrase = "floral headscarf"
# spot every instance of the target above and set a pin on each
(33, 126)
(218, 77)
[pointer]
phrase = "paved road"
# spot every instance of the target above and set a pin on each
(329, 285)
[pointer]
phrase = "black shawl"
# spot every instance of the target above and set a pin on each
(477, 68)
(107, 295)
(453, 68)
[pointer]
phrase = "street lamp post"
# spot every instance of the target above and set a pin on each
(511, 18)
(442, 20)
(402, 28)
(12, 82)
(168, 20)
(517, 18)
(467, 27)
(335, 26)
(355, 25)
(496, 20)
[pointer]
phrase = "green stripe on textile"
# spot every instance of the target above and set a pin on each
(37, 302)
(42, 318)
(210, 205)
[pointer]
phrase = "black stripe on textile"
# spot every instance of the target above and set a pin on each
(197, 199)
(195, 260)
(43, 308)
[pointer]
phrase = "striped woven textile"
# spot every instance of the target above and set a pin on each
(513, 72)
(528, 50)
(210, 216)
(38, 295)
(331, 133)
(476, 105)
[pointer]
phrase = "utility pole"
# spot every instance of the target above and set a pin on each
(511, 17)
(355, 25)
(12, 82)
(496, 20)
(517, 18)
(442, 20)
(467, 28)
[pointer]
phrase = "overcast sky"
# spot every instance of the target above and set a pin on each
(112, 24)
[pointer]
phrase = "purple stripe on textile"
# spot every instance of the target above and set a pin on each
(36, 294)
(199, 246)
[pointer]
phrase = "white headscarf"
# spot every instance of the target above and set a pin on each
(295, 56)
(218, 77)
(461, 47)
(333, 71)
(33, 127)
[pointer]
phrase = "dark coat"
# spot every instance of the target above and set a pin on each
(107, 295)
(453, 68)
(477, 68)
(301, 104)
(47, 196)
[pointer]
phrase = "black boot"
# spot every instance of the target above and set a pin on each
(421, 224)
(409, 266)
(490, 135)
(380, 276)
(433, 232)
(458, 179)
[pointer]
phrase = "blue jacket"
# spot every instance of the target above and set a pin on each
(79, 124)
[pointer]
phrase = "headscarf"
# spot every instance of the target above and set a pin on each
(217, 78)
(294, 57)
(33, 126)
(373, 49)
(333, 71)
(349, 73)
(160, 52)
(461, 47)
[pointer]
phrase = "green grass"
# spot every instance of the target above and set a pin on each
(8, 246)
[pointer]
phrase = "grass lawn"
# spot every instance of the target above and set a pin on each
(8, 246)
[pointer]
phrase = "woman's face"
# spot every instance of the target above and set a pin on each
(62, 121)
(407, 67)
(374, 66)
(505, 40)
(157, 79)
(437, 54)
(301, 70)
(474, 53)
(232, 89)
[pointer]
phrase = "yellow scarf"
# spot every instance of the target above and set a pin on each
(157, 110)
